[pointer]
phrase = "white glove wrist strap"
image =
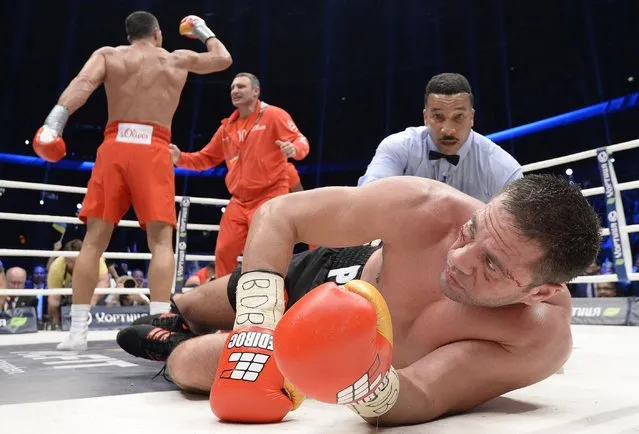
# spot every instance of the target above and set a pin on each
(259, 299)
(203, 33)
(57, 119)
(382, 399)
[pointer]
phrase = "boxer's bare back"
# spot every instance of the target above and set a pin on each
(142, 82)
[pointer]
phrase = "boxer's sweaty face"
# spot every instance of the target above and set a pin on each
(449, 119)
(489, 263)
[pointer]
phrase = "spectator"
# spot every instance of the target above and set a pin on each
(607, 266)
(267, 137)
(16, 279)
(138, 275)
(3, 278)
(115, 300)
(606, 289)
(586, 289)
(446, 148)
(60, 276)
(38, 279)
(203, 275)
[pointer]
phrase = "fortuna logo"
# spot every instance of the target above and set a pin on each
(367, 384)
(134, 133)
(248, 366)
(252, 340)
(587, 312)
(115, 318)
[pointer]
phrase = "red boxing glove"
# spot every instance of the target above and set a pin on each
(336, 345)
(48, 145)
(248, 385)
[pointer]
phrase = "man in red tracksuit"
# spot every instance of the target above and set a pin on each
(255, 141)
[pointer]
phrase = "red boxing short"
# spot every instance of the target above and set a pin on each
(133, 167)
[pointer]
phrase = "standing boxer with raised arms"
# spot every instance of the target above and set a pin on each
(143, 84)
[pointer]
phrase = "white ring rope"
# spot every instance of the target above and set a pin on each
(599, 278)
(578, 156)
(41, 218)
(82, 190)
(106, 255)
(69, 291)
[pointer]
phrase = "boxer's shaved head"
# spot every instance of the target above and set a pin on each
(140, 25)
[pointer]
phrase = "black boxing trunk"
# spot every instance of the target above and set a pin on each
(314, 267)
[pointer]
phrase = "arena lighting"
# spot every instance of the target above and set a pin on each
(569, 172)
(601, 109)
(597, 110)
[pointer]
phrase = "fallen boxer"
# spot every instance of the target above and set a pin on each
(463, 302)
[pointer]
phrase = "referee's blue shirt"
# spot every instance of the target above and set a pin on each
(484, 168)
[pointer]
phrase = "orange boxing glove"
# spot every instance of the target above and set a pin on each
(248, 385)
(47, 142)
(49, 147)
(336, 345)
(194, 27)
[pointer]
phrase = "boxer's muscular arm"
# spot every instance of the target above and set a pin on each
(86, 82)
(335, 217)
(217, 58)
(465, 374)
(390, 159)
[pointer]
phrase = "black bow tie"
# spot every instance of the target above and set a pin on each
(452, 159)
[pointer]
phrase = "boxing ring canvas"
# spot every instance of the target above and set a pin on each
(104, 390)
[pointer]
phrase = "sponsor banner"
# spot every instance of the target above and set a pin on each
(601, 311)
(134, 133)
(107, 318)
(19, 320)
(181, 244)
(633, 318)
(606, 171)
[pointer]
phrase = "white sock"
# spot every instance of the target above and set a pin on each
(159, 307)
(80, 318)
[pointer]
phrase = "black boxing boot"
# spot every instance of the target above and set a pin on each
(171, 320)
(149, 342)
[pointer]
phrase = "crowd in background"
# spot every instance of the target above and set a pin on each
(57, 273)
